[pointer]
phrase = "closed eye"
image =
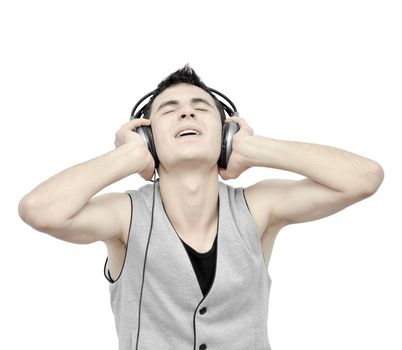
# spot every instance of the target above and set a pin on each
(198, 109)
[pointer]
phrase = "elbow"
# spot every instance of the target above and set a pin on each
(29, 213)
(26, 211)
(369, 182)
(38, 216)
(24, 208)
(374, 178)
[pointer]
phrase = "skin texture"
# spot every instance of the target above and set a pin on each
(188, 169)
(332, 179)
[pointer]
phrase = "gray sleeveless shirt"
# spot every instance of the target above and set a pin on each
(174, 312)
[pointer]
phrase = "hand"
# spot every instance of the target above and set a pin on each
(142, 159)
(125, 134)
(238, 161)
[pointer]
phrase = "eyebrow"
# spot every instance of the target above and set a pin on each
(175, 102)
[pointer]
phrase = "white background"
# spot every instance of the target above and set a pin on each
(325, 72)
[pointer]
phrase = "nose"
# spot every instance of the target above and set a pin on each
(185, 115)
(187, 110)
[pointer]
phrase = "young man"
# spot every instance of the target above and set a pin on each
(206, 282)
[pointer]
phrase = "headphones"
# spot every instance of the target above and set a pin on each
(228, 131)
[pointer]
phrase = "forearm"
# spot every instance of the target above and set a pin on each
(66, 193)
(332, 167)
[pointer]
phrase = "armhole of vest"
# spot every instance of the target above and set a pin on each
(247, 212)
(259, 239)
(245, 200)
(109, 278)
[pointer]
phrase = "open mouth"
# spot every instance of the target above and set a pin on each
(188, 134)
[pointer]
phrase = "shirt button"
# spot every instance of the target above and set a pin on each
(202, 347)
(203, 310)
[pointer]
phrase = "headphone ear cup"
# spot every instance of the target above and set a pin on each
(146, 132)
(228, 131)
(223, 162)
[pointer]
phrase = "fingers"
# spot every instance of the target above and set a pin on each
(239, 121)
(136, 122)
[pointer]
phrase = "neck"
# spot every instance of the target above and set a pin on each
(190, 200)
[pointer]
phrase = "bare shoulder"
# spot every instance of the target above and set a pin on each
(260, 206)
(261, 201)
(120, 203)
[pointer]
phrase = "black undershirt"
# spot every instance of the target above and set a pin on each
(203, 265)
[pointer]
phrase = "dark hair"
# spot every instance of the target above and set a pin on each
(183, 75)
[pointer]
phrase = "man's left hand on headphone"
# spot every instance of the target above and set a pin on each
(238, 161)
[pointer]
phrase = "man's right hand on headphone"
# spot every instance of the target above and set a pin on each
(142, 158)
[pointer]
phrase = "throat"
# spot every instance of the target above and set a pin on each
(201, 234)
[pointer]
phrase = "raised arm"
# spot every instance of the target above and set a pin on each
(63, 207)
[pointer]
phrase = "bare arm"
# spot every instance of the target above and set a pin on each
(64, 200)
(63, 195)
(335, 179)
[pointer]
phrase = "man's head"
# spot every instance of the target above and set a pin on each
(183, 101)
(184, 75)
